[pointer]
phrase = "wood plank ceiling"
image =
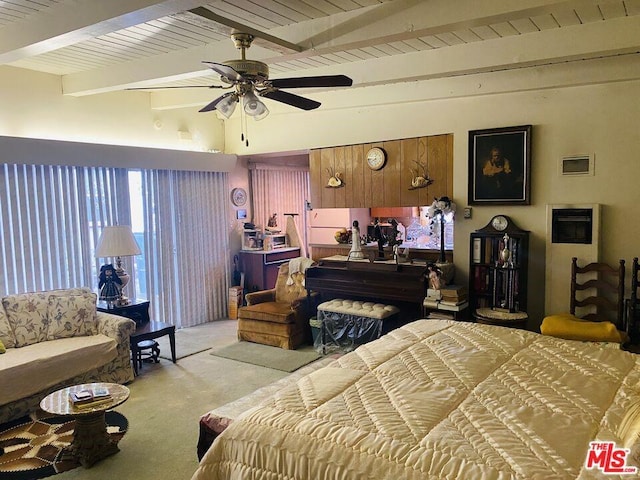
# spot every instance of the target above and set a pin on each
(98, 46)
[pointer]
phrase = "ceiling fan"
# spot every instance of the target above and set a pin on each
(250, 80)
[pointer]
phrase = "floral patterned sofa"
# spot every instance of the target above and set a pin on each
(54, 339)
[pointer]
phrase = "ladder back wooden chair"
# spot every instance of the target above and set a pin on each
(596, 306)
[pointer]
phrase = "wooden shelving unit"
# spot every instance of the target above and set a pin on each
(494, 283)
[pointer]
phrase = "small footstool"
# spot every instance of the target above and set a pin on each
(148, 351)
(347, 323)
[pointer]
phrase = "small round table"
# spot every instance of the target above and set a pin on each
(91, 442)
(500, 317)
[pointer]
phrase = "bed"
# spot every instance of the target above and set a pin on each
(441, 399)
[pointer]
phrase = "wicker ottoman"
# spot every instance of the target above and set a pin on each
(347, 323)
(502, 318)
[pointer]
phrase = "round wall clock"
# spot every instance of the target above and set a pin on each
(376, 158)
(500, 222)
(238, 196)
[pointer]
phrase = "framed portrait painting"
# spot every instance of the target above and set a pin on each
(500, 166)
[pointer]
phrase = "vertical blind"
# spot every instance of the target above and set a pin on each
(186, 244)
(280, 190)
(51, 218)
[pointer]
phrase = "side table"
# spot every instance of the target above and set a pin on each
(146, 329)
(91, 442)
(502, 318)
(149, 331)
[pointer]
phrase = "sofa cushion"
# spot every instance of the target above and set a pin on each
(27, 314)
(6, 332)
(274, 312)
(27, 371)
(71, 315)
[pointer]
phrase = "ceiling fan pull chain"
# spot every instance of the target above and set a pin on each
(243, 127)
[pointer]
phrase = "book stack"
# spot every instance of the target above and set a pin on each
(89, 398)
(433, 297)
(453, 295)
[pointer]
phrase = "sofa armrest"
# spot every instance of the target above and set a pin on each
(116, 327)
(262, 296)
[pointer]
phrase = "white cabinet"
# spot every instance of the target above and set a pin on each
(324, 222)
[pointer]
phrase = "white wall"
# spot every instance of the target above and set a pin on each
(31, 105)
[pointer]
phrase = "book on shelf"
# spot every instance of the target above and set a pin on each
(433, 294)
(89, 397)
(454, 301)
(453, 308)
(453, 289)
(440, 316)
(453, 298)
(477, 250)
(430, 303)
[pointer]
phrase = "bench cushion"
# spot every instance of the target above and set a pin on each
(358, 308)
(26, 371)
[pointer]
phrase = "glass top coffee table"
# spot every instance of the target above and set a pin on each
(91, 442)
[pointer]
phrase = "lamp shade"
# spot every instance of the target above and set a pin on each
(254, 107)
(227, 105)
(117, 241)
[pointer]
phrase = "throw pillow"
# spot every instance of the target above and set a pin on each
(72, 316)
(27, 315)
(6, 332)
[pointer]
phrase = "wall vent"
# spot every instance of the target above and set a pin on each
(577, 165)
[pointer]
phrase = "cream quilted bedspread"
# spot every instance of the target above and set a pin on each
(437, 399)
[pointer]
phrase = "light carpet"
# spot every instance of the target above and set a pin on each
(266, 356)
(189, 341)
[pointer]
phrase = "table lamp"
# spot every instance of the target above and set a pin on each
(118, 241)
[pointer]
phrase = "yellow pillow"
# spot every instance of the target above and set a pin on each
(567, 326)
(2, 349)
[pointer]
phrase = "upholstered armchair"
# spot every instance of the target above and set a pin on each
(280, 316)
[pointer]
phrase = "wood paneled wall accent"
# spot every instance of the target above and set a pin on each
(388, 187)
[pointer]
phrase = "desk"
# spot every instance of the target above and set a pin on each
(146, 329)
(260, 267)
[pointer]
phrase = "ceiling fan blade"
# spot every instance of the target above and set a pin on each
(180, 86)
(321, 81)
(212, 106)
(225, 70)
(291, 99)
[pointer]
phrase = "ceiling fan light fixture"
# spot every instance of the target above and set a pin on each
(227, 105)
(254, 107)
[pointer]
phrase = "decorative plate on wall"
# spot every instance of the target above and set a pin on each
(238, 196)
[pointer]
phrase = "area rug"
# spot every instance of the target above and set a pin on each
(32, 447)
(189, 341)
(266, 356)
